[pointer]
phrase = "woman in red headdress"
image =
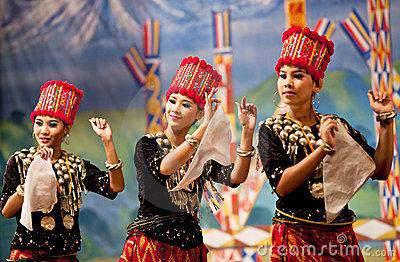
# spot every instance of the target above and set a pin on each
(167, 227)
(294, 144)
(51, 231)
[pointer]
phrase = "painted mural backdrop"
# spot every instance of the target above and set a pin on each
(84, 42)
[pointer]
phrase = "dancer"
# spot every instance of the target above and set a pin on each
(167, 227)
(292, 147)
(53, 232)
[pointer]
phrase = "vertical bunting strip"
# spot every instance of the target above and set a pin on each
(381, 79)
(228, 215)
(154, 107)
(238, 203)
(145, 71)
(295, 11)
(358, 33)
(221, 22)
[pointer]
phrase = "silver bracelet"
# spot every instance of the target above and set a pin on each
(20, 190)
(385, 116)
(192, 141)
(326, 147)
(245, 153)
(112, 167)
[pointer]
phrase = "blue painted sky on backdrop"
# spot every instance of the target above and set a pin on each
(83, 41)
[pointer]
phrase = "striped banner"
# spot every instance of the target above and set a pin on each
(228, 215)
(238, 203)
(381, 79)
(221, 22)
(295, 11)
(154, 107)
(358, 33)
(135, 64)
(151, 40)
(145, 70)
(325, 27)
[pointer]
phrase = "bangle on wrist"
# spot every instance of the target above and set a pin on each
(112, 167)
(245, 153)
(385, 117)
(192, 141)
(20, 190)
(326, 147)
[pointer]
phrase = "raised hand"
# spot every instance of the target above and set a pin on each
(45, 152)
(101, 128)
(247, 114)
(328, 130)
(209, 108)
(380, 102)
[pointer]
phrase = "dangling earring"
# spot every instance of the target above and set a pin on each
(67, 139)
(274, 100)
(33, 135)
(316, 100)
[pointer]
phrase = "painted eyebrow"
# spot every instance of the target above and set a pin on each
(185, 100)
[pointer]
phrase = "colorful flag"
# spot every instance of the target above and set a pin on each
(325, 27)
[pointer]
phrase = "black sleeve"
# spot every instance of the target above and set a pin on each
(11, 180)
(220, 173)
(148, 157)
(272, 154)
(98, 181)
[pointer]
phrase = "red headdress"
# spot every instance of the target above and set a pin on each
(58, 99)
(193, 78)
(306, 49)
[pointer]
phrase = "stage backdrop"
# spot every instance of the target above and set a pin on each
(83, 41)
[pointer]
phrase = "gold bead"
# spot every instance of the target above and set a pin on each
(277, 128)
(288, 129)
(283, 134)
(293, 138)
(303, 141)
(298, 133)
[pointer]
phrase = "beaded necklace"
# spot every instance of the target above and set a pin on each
(70, 173)
(186, 199)
(294, 136)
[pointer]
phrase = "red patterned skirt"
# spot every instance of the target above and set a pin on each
(28, 255)
(303, 242)
(138, 247)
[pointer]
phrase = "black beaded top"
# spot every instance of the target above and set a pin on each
(158, 216)
(281, 146)
(55, 232)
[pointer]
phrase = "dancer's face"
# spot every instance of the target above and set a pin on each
(296, 87)
(49, 131)
(182, 112)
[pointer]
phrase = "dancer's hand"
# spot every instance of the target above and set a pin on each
(328, 129)
(211, 106)
(380, 102)
(44, 152)
(101, 128)
(247, 114)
